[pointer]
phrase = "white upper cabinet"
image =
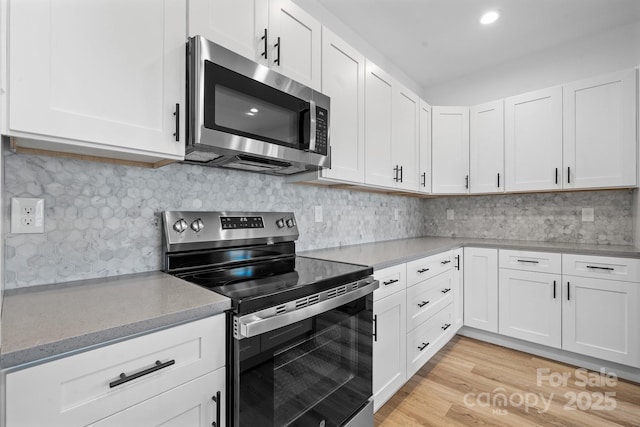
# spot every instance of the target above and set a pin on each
(424, 185)
(404, 153)
(343, 73)
(450, 150)
(486, 148)
(599, 147)
(105, 78)
(277, 33)
(533, 141)
(378, 127)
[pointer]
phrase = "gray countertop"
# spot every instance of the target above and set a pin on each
(380, 255)
(52, 320)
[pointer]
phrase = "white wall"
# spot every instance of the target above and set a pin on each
(598, 54)
(333, 23)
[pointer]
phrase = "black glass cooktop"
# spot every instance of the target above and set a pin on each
(272, 282)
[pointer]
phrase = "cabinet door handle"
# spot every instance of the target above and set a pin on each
(528, 260)
(424, 179)
(277, 45)
(176, 114)
(423, 346)
(266, 44)
(554, 289)
(446, 326)
(395, 173)
(389, 282)
(466, 182)
(375, 327)
(445, 290)
(498, 180)
(600, 268)
(423, 270)
(216, 399)
(125, 379)
(556, 175)
(568, 174)
(457, 262)
(422, 304)
(400, 173)
(445, 262)
(568, 291)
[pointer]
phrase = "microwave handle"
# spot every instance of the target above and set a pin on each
(312, 126)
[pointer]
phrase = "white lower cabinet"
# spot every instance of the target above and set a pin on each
(425, 340)
(141, 375)
(389, 335)
(481, 288)
(600, 318)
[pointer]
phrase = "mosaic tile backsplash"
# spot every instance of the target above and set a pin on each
(103, 219)
(551, 217)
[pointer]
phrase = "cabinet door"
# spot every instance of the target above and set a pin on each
(424, 185)
(458, 288)
(377, 126)
(237, 25)
(533, 140)
(404, 152)
(343, 81)
(600, 319)
(93, 85)
(450, 147)
(599, 147)
(481, 288)
(530, 306)
(191, 404)
(294, 43)
(486, 148)
(389, 347)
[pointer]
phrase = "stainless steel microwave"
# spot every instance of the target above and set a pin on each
(243, 115)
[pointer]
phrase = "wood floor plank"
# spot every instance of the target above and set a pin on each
(470, 382)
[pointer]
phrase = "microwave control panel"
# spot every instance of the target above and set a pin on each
(322, 130)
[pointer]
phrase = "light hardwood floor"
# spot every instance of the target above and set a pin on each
(463, 383)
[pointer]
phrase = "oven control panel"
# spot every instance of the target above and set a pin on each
(185, 230)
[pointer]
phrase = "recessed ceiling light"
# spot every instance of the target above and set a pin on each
(489, 17)
(254, 110)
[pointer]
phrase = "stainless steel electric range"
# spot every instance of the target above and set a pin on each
(299, 333)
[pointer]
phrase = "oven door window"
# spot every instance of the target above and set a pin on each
(314, 372)
(242, 106)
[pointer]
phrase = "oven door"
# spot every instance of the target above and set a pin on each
(314, 372)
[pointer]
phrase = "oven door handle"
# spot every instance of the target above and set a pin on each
(251, 325)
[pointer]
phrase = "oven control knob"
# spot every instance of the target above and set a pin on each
(290, 222)
(197, 225)
(180, 225)
(280, 223)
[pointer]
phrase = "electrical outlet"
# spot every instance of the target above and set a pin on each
(450, 214)
(27, 215)
(396, 214)
(588, 215)
(318, 213)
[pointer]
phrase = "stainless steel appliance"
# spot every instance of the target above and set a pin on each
(299, 333)
(243, 115)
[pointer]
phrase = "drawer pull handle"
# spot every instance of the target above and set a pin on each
(423, 270)
(423, 303)
(528, 260)
(601, 268)
(423, 346)
(445, 262)
(446, 326)
(375, 328)
(445, 290)
(124, 378)
(216, 399)
(387, 283)
(458, 262)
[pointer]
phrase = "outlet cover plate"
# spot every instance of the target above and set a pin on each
(318, 213)
(27, 215)
(450, 214)
(588, 215)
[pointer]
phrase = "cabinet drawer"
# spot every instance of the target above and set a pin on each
(425, 268)
(625, 269)
(83, 388)
(392, 280)
(424, 341)
(543, 262)
(427, 297)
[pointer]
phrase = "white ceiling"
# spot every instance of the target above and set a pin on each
(435, 41)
